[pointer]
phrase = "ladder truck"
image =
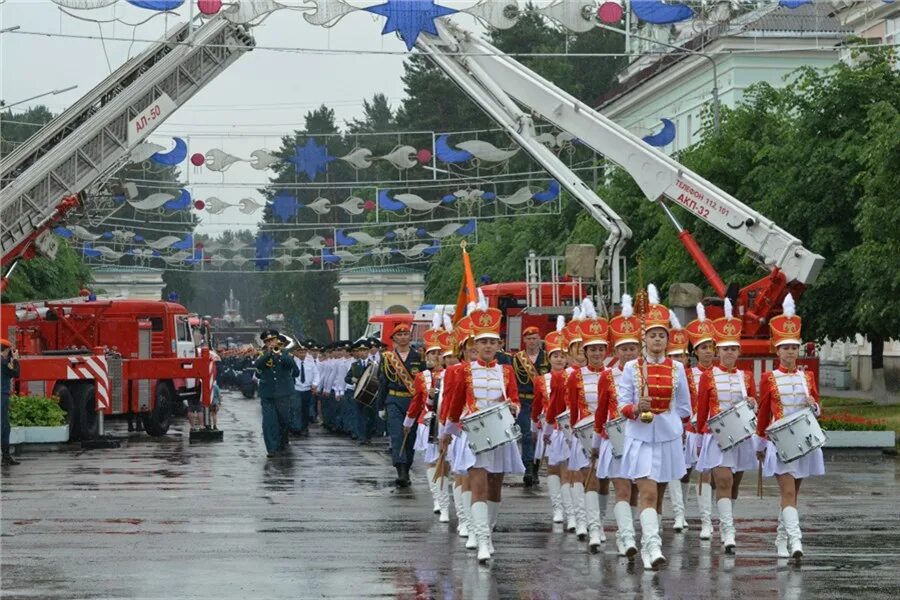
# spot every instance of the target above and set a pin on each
(505, 90)
(53, 176)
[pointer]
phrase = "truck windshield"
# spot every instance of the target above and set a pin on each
(373, 330)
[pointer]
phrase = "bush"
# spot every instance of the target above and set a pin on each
(35, 411)
(849, 422)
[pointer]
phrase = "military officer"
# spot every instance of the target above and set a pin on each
(529, 364)
(277, 371)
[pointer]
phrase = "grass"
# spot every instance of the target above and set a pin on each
(864, 408)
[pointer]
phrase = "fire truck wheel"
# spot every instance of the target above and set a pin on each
(68, 404)
(85, 400)
(157, 420)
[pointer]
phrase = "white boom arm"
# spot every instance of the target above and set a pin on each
(491, 77)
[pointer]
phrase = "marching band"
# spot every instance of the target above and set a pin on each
(607, 402)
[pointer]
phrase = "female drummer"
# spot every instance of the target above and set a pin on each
(421, 410)
(625, 333)
(549, 401)
(782, 392)
(677, 350)
(655, 398)
(484, 385)
(576, 519)
(721, 388)
(581, 394)
(700, 331)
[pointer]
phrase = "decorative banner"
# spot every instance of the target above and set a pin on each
(665, 136)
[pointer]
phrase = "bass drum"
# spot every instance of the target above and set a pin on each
(366, 389)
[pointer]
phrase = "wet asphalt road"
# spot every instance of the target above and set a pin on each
(160, 518)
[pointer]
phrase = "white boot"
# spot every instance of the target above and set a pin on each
(726, 524)
(481, 525)
(781, 538)
(704, 500)
(472, 542)
(568, 507)
(684, 494)
(493, 513)
(444, 500)
(675, 494)
(595, 528)
(462, 517)
(625, 533)
(651, 544)
(433, 486)
(792, 527)
(555, 488)
(602, 501)
(580, 513)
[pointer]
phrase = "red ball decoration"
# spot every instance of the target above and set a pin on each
(198, 246)
(197, 159)
(329, 241)
(423, 156)
(369, 205)
(610, 12)
(209, 7)
(317, 259)
(199, 204)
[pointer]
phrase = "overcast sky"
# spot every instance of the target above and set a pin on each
(264, 94)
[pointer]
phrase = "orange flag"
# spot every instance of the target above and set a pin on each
(467, 291)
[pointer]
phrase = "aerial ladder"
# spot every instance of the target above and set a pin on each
(499, 85)
(48, 176)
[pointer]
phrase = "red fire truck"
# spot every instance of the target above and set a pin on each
(109, 356)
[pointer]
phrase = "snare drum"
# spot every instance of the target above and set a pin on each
(584, 432)
(796, 435)
(491, 428)
(562, 422)
(733, 426)
(615, 431)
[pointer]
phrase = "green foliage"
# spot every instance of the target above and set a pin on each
(42, 278)
(35, 411)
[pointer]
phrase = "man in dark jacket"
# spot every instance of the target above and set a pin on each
(277, 371)
(10, 369)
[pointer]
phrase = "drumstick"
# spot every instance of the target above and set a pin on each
(591, 471)
(403, 445)
(439, 471)
(759, 477)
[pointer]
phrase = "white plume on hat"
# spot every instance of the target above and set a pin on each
(588, 308)
(701, 312)
(560, 323)
(652, 294)
(729, 309)
(482, 301)
(673, 320)
(436, 320)
(789, 307)
(576, 313)
(470, 308)
(627, 306)
(448, 322)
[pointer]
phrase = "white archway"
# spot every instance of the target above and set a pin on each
(382, 288)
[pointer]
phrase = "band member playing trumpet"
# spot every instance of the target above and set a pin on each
(277, 371)
(656, 399)
(783, 392)
(485, 384)
(721, 388)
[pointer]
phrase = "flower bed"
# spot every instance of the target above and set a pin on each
(845, 430)
(37, 420)
(848, 422)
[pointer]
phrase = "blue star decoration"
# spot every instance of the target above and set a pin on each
(409, 18)
(310, 159)
(284, 205)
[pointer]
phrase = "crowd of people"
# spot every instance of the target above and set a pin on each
(602, 403)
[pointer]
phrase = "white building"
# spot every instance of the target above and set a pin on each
(143, 283)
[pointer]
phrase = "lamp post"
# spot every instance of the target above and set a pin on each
(335, 313)
(3, 104)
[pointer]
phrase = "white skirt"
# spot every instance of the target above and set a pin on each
(608, 466)
(577, 458)
(558, 451)
(811, 464)
(539, 446)
(739, 458)
(691, 452)
(455, 455)
(432, 451)
(421, 438)
(503, 459)
(661, 462)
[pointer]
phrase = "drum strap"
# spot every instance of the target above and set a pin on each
(399, 368)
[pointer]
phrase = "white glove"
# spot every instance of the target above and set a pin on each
(382, 415)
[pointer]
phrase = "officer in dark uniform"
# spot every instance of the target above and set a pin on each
(357, 367)
(277, 372)
(528, 364)
(9, 363)
(396, 373)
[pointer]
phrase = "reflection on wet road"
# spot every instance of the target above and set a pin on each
(160, 518)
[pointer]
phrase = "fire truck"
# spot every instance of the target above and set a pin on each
(147, 364)
(104, 357)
